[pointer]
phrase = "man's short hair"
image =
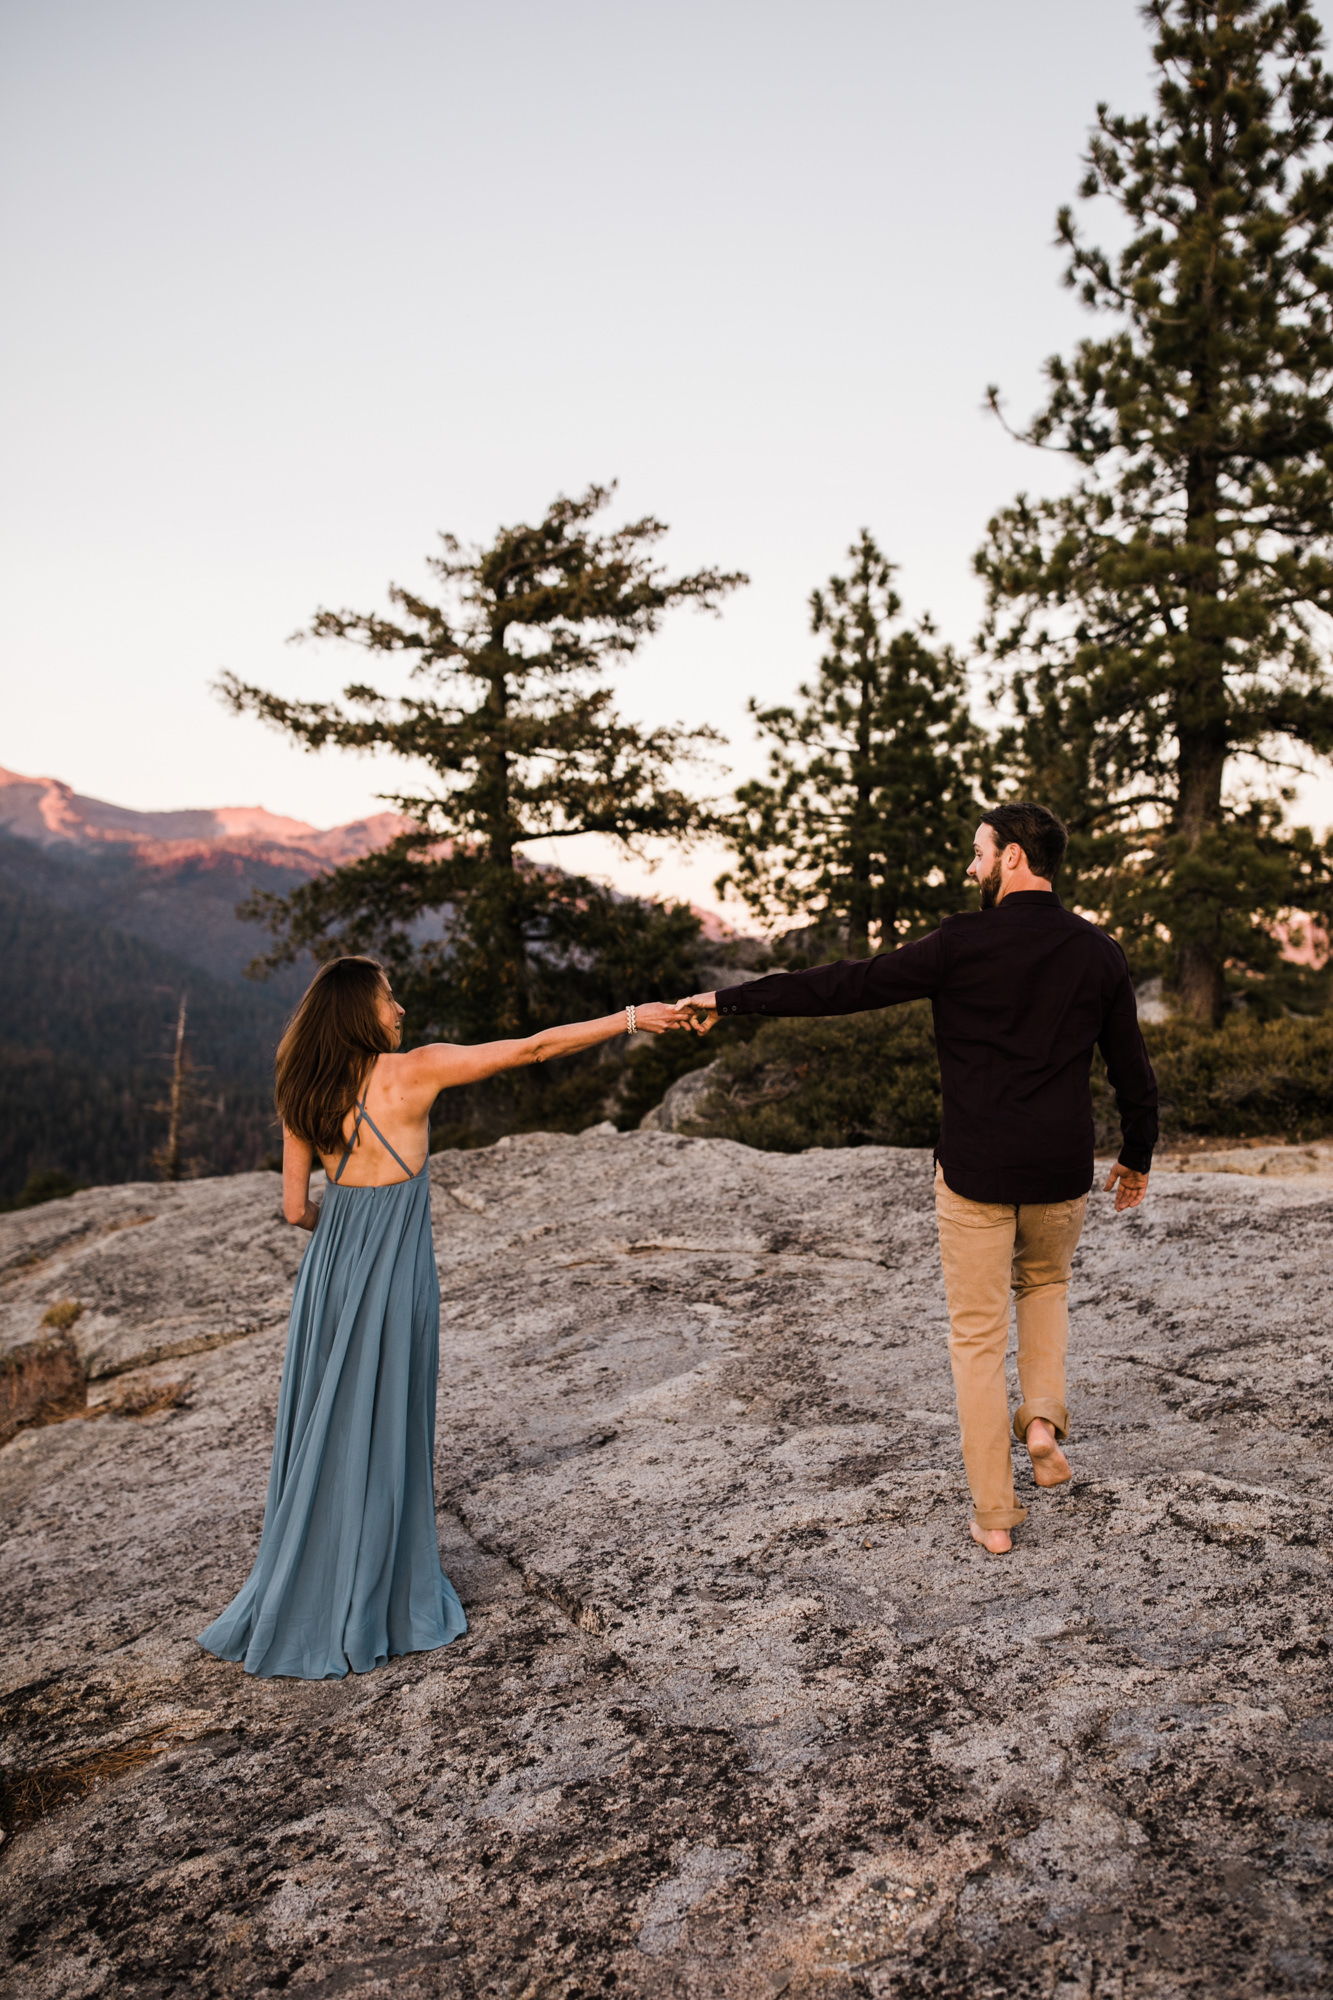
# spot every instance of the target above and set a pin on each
(1042, 837)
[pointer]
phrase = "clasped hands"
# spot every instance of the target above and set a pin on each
(698, 1013)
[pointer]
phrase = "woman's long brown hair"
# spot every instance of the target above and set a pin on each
(330, 1042)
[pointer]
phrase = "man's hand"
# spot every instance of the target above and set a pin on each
(1130, 1188)
(699, 1012)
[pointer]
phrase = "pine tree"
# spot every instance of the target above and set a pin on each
(509, 712)
(860, 824)
(1159, 628)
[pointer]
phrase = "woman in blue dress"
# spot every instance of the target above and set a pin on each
(348, 1570)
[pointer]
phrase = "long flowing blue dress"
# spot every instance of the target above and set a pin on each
(348, 1571)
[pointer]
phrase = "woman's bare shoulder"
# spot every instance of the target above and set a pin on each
(406, 1060)
(408, 1069)
(439, 1065)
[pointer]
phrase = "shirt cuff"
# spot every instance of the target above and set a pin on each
(1136, 1159)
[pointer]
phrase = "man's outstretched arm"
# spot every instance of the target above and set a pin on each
(852, 986)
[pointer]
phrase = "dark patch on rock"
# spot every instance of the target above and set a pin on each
(41, 1382)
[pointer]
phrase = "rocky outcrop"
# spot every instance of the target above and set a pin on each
(682, 1102)
(742, 1711)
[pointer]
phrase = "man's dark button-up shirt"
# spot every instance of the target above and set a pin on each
(1021, 994)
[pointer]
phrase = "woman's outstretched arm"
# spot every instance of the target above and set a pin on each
(298, 1159)
(443, 1065)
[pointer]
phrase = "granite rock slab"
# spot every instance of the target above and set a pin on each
(742, 1709)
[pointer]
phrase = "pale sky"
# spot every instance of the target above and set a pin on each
(290, 287)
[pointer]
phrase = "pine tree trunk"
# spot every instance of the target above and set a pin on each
(1201, 762)
(499, 828)
(1200, 974)
(501, 851)
(860, 902)
(1201, 731)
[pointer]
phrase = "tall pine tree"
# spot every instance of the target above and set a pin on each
(510, 714)
(1161, 629)
(860, 823)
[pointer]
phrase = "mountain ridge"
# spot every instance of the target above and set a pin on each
(175, 878)
(171, 879)
(50, 813)
(108, 916)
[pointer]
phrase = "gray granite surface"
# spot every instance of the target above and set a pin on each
(742, 1710)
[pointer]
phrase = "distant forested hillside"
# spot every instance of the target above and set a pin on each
(184, 906)
(87, 1024)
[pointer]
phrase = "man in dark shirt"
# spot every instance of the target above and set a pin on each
(1021, 990)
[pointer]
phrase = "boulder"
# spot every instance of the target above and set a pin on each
(683, 1101)
(1153, 1005)
(742, 1709)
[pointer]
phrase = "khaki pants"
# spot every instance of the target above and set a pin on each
(988, 1249)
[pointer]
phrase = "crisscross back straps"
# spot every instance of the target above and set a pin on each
(364, 1117)
(356, 1127)
(388, 1148)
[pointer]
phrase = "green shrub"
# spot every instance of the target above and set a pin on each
(1249, 1079)
(871, 1079)
(46, 1184)
(858, 1080)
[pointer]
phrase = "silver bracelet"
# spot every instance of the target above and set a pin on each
(629, 1020)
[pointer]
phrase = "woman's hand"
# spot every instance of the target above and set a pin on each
(657, 1018)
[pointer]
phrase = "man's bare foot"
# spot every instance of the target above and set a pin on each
(995, 1541)
(1050, 1467)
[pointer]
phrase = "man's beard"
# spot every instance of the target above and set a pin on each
(989, 886)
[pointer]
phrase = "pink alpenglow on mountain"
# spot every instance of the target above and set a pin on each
(176, 878)
(52, 814)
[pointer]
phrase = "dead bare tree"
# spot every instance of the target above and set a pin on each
(168, 1160)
